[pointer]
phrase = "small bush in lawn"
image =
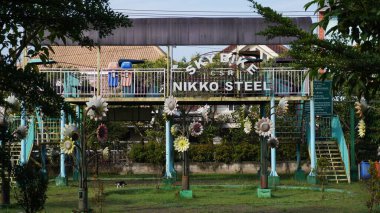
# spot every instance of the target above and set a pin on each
(322, 168)
(31, 188)
(373, 185)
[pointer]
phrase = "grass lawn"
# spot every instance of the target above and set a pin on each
(212, 193)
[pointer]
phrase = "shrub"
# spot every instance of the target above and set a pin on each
(137, 153)
(152, 152)
(223, 153)
(32, 187)
(373, 185)
(245, 152)
(202, 153)
(155, 153)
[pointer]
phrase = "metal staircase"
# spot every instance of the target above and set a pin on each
(14, 149)
(336, 171)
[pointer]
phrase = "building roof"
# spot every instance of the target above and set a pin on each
(82, 57)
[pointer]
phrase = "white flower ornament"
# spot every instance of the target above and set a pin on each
(97, 108)
(106, 153)
(71, 131)
(264, 127)
(204, 111)
(247, 125)
(20, 132)
(170, 105)
(181, 144)
(67, 145)
(196, 129)
(14, 104)
(273, 142)
(282, 106)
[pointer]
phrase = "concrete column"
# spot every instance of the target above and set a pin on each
(23, 141)
(273, 150)
(169, 172)
(313, 160)
(62, 161)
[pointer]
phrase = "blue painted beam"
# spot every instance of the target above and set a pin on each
(62, 159)
(273, 150)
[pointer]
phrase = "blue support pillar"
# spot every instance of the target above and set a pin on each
(312, 175)
(77, 151)
(273, 178)
(62, 162)
(61, 180)
(170, 174)
(23, 141)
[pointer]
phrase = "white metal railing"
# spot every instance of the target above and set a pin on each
(77, 83)
(72, 82)
(222, 82)
(132, 83)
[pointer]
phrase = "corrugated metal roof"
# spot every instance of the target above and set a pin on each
(194, 31)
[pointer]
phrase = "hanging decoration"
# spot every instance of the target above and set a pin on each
(361, 128)
(361, 107)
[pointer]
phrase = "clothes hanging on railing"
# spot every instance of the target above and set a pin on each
(113, 78)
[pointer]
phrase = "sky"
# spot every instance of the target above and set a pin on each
(214, 8)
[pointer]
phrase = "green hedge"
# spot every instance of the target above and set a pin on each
(154, 152)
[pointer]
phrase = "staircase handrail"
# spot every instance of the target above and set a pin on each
(338, 134)
(29, 140)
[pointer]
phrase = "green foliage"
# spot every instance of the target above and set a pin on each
(99, 195)
(353, 68)
(32, 187)
(373, 185)
(322, 168)
(246, 152)
(155, 153)
(159, 63)
(25, 27)
(237, 136)
(209, 132)
(152, 152)
(223, 153)
(155, 136)
(202, 153)
(137, 153)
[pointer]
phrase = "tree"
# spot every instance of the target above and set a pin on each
(24, 28)
(351, 55)
(26, 25)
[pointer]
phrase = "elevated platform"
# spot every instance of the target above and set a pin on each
(185, 100)
(150, 86)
